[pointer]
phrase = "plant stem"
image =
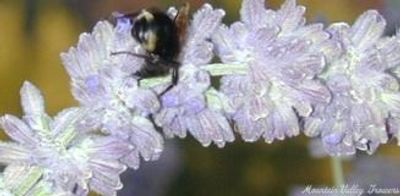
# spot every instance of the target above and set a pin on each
(220, 69)
(217, 69)
(337, 171)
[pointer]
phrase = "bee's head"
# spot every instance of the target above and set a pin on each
(145, 30)
(156, 32)
(142, 25)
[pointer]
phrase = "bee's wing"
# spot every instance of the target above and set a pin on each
(182, 21)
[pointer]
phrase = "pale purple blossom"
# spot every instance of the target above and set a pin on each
(193, 110)
(282, 56)
(105, 83)
(365, 97)
(58, 151)
(185, 107)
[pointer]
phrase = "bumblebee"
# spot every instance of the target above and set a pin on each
(161, 37)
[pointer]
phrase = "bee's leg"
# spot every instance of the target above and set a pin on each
(143, 56)
(175, 78)
(151, 59)
(166, 90)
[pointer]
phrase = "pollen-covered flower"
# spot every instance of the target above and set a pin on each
(58, 151)
(104, 82)
(282, 57)
(365, 97)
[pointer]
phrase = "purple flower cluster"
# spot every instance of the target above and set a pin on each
(56, 151)
(365, 104)
(282, 57)
(278, 77)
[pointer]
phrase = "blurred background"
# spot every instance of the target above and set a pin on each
(34, 32)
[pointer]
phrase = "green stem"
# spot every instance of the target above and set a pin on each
(217, 69)
(337, 170)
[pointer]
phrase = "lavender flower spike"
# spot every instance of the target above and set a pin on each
(104, 82)
(283, 56)
(365, 102)
(57, 152)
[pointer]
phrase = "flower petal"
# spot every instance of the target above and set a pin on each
(389, 52)
(224, 43)
(146, 139)
(204, 22)
(65, 123)
(197, 49)
(108, 147)
(31, 99)
(210, 126)
(285, 123)
(132, 159)
(13, 153)
(18, 130)
(290, 16)
(367, 29)
(253, 13)
(105, 178)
